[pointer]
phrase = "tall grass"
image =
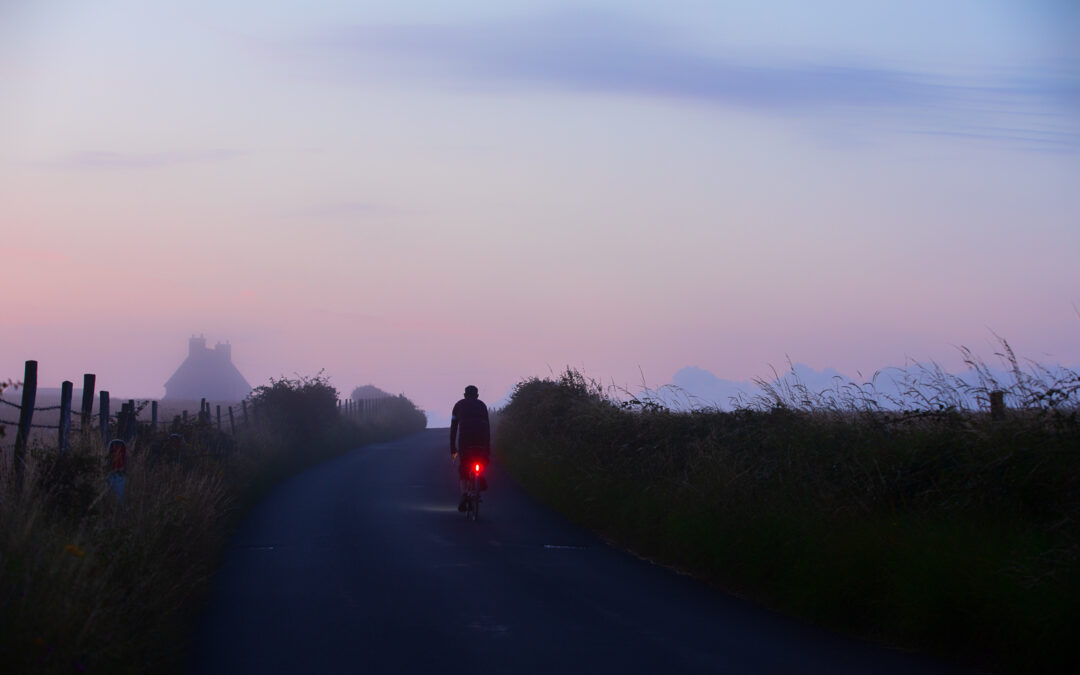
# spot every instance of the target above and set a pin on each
(88, 583)
(926, 526)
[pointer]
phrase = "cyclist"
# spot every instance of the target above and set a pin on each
(470, 432)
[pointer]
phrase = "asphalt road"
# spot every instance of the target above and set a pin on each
(363, 564)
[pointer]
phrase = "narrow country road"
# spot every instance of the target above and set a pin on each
(363, 564)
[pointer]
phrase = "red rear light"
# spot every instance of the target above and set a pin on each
(476, 468)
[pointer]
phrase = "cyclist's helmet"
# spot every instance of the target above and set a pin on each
(472, 392)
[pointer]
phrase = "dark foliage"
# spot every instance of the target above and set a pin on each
(296, 409)
(68, 482)
(368, 391)
(938, 528)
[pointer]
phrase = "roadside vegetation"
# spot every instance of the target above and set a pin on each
(90, 584)
(919, 522)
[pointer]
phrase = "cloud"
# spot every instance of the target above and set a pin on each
(603, 53)
(108, 160)
(703, 388)
(606, 53)
(349, 210)
(912, 386)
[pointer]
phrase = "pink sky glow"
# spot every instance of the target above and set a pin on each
(660, 187)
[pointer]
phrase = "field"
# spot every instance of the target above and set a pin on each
(933, 527)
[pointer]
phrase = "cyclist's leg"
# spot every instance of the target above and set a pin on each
(463, 469)
(463, 479)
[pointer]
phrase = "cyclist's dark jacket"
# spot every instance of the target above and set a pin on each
(469, 426)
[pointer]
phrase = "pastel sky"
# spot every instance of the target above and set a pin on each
(423, 195)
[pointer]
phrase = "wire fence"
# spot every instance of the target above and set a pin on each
(125, 423)
(36, 409)
(65, 419)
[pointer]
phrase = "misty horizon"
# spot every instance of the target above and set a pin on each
(690, 387)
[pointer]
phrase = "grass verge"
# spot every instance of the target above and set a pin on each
(939, 530)
(92, 584)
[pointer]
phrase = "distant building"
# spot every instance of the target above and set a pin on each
(207, 373)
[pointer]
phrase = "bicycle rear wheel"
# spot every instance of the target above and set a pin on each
(473, 511)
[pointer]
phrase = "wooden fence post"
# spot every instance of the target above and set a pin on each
(132, 421)
(63, 441)
(121, 421)
(153, 416)
(219, 417)
(103, 417)
(88, 381)
(232, 422)
(204, 416)
(997, 405)
(26, 418)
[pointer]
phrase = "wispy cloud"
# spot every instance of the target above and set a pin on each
(108, 160)
(611, 54)
(348, 209)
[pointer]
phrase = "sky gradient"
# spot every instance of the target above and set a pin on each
(424, 195)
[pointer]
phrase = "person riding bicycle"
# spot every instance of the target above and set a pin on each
(470, 432)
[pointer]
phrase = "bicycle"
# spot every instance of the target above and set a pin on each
(474, 485)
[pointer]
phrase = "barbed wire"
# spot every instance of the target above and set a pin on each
(116, 419)
(43, 426)
(42, 409)
(32, 426)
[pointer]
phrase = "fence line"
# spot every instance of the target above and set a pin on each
(125, 422)
(363, 409)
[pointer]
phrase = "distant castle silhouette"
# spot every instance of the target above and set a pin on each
(207, 373)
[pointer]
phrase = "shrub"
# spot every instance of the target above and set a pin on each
(296, 409)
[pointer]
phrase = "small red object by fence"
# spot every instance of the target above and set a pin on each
(118, 454)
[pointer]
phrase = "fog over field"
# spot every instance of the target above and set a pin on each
(423, 195)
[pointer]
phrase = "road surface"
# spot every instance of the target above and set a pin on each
(363, 564)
